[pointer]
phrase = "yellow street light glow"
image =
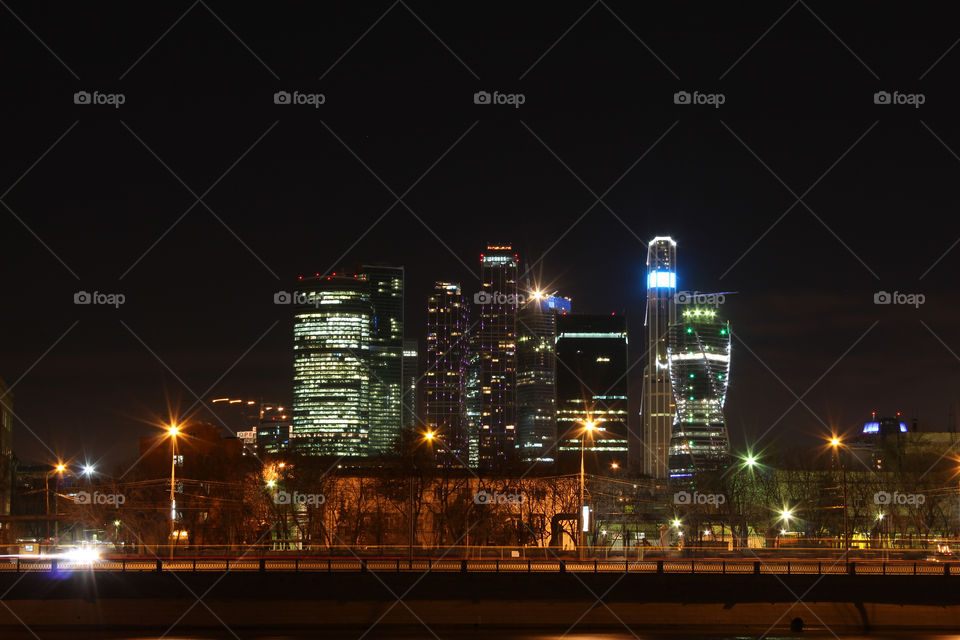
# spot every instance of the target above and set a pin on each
(271, 483)
(589, 425)
(428, 435)
(614, 465)
(61, 467)
(676, 523)
(834, 442)
(750, 461)
(786, 514)
(173, 430)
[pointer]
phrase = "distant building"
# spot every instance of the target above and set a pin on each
(445, 380)
(385, 357)
(274, 436)
(537, 377)
(6, 449)
(497, 304)
(592, 388)
(658, 407)
(411, 372)
(244, 418)
(333, 316)
(699, 356)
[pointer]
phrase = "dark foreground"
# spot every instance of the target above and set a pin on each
(472, 605)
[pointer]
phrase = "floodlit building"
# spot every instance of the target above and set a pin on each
(411, 364)
(591, 353)
(657, 407)
(333, 316)
(699, 357)
(497, 303)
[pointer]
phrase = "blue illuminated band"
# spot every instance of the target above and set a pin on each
(661, 280)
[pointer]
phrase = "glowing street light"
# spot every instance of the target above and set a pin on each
(88, 469)
(589, 426)
(676, 522)
(173, 431)
(429, 435)
(836, 443)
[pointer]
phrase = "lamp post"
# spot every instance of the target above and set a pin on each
(58, 469)
(588, 427)
(173, 431)
(836, 443)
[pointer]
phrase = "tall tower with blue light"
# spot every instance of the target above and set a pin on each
(658, 408)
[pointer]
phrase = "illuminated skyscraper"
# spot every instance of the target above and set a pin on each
(386, 356)
(658, 407)
(445, 401)
(331, 347)
(699, 354)
(497, 303)
(592, 387)
(537, 377)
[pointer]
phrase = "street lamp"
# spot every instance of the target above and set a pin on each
(836, 443)
(173, 430)
(59, 468)
(589, 426)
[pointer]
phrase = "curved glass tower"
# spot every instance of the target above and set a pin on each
(699, 352)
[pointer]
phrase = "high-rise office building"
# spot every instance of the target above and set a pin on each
(699, 352)
(333, 317)
(6, 448)
(445, 399)
(386, 357)
(411, 368)
(497, 303)
(592, 388)
(473, 410)
(658, 407)
(536, 377)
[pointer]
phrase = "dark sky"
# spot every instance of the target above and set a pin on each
(95, 208)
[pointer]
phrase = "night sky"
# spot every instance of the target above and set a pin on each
(105, 199)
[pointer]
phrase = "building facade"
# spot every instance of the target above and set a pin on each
(497, 304)
(333, 317)
(411, 372)
(537, 377)
(591, 353)
(385, 357)
(699, 354)
(445, 380)
(658, 409)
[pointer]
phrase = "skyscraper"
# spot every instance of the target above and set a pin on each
(386, 356)
(537, 377)
(699, 354)
(592, 387)
(658, 407)
(445, 401)
(331, 346)
(411, 399)
(497, 303)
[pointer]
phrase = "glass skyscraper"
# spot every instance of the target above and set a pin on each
(497, 303)
(333, 317)
(658, 407)
(699, 354)
(411, 364)
(445, 381)
(537, 377)
(386, 357)
(592, 386)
